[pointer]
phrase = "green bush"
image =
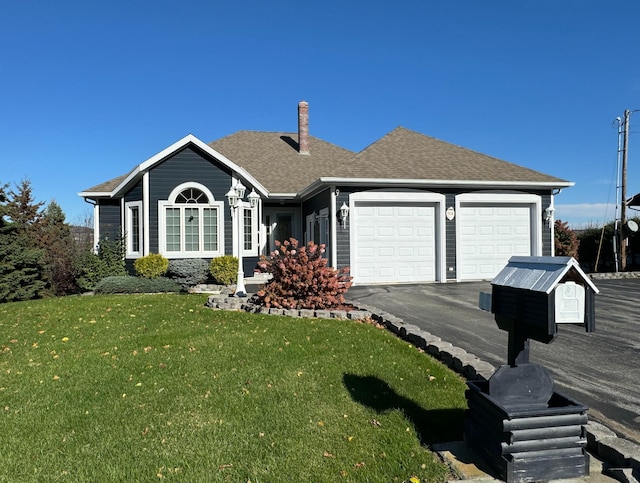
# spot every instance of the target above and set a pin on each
(90, 267)
(188, 271)
(224, 269)
(128, 284)
(153, 265)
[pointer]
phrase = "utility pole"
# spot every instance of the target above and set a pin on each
(623, 184)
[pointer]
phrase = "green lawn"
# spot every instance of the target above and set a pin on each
(158, 387)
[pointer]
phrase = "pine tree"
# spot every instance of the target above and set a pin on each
(21, 268)
(58, 245)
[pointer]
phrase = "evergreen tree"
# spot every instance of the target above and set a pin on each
(58, 245)
(21, 269)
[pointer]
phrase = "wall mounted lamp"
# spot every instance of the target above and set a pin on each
(548, 214)
(344, 214)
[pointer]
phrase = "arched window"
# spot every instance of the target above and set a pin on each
(191, 223)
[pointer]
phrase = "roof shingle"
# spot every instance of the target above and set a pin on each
(273, 159)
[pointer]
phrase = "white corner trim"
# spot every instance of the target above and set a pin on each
(333, 228)
(145, 214)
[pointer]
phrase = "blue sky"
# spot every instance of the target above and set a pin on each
(90, 89)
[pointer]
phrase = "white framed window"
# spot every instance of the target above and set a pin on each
(191, 223)
(249, 221)
(133, 229)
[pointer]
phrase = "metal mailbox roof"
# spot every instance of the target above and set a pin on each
(540, 274)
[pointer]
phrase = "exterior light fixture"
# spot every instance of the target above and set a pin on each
(548, 214)
(344, 214)
(235, 197)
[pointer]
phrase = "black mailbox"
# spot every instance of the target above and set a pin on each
(531, 296)
(526, 430)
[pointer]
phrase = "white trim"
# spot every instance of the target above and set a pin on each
(189, 184)
(162, 155)
(422, 183)
(402, 197)
(170, 203)
(145, 214)
(309, 228)
(253, 252)
(534, 202)
(324, 226)
(333, 229)
(127, 226)
(96, 227)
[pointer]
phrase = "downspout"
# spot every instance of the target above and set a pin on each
(96, 223)
(552, 221)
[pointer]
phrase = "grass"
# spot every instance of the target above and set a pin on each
(158, 387)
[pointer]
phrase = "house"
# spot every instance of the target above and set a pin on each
(408, 208)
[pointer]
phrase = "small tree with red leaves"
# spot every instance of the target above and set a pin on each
(301, 278)
(566, 240)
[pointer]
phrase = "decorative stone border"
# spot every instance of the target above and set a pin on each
(621, 457)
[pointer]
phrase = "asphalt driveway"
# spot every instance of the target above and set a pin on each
(601, 369)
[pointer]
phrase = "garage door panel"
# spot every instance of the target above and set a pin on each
(489, 235)
(403, 242)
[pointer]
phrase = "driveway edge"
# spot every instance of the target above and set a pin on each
(621, 457)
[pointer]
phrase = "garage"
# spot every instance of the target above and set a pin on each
(489, 234)
(393, 242)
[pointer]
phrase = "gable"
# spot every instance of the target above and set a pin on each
(117, 186)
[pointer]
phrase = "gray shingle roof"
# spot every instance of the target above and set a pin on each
(107, 186)
(408, 154)
(273, 159)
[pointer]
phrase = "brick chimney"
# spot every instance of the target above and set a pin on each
(303, 127)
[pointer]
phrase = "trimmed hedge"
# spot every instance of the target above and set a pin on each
(224, 269)
(153, 265)
(128, 284)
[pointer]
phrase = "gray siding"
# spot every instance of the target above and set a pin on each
(343, 240)
(342, 234)
(185, 166)
(546, 229)
(110, 220)
(450, 237)
(316, 203)
(135, 193)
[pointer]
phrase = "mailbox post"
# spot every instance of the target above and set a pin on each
(527, 431)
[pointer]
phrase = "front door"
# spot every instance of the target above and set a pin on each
(282, 224)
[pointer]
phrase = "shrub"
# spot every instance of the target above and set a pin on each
(128, 284)
(188, 271)
(224, 269)
(91, 267)
(566, 240)
(301, 278)
(153, 265)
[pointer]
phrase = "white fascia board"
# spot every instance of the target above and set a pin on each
(95, 194)
(438, 182)
(189, 138)
(283, 196)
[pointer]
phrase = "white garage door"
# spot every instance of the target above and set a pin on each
(489, 235)
(393, 242)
